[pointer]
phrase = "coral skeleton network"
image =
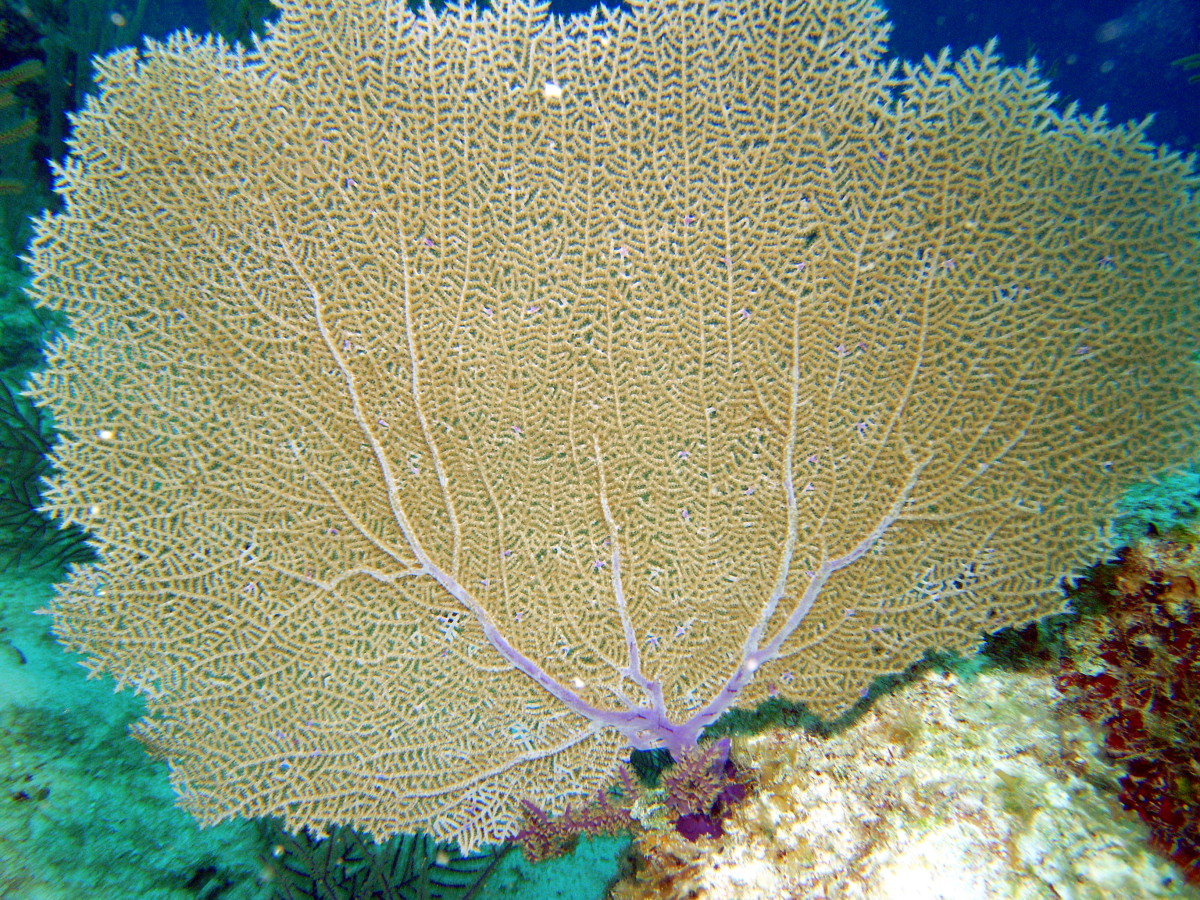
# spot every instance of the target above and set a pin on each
(460, 399)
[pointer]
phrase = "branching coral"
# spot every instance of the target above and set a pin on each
(546, 837)
(700, 790)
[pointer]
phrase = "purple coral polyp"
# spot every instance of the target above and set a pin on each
(703, 787)
(694, 826)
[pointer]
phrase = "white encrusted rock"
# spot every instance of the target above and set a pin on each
(974, 789)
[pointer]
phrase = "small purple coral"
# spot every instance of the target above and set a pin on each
(702, 787)
(545, 836)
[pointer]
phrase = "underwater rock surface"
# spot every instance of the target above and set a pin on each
(968, 789)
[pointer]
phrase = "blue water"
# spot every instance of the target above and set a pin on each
(1115, 53)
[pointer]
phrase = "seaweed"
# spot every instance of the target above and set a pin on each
(346, 865)
(28, 539)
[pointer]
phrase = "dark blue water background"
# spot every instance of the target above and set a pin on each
(1115, 53)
